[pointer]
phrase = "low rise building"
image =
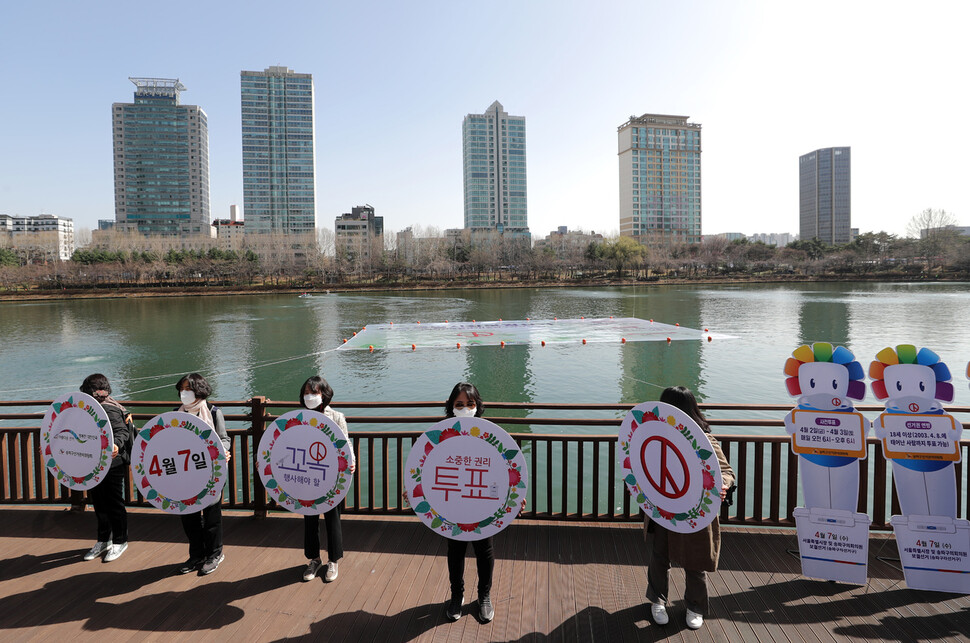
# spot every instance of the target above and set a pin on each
(568, 243)
(45, 237)
(359, 235)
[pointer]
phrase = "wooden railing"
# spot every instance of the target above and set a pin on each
(573, 474)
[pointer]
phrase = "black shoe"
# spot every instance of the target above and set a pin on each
(190, 565)
(485, 610)
(454, 607)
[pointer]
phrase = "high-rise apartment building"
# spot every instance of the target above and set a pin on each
(493, 150)
(660, 179)
(279, 188)
(825, 195)
(161, 161)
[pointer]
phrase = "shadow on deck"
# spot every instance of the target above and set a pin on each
(553, 581)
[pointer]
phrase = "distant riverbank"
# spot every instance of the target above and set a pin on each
(35, 294)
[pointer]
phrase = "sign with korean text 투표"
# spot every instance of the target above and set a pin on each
(76, 441)
(178, 463)
(670, 467)
(919, 437)
(306, 462)
(467, 478)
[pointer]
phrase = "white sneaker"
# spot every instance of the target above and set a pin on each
(331, 574)
(694, 620)
(311, 569)
(659, 613)
(115, 552)
(99, 548)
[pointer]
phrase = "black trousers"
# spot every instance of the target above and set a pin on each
(484, 556)
(108, 499)
(658, 577)
(204, 530)
(335, 538)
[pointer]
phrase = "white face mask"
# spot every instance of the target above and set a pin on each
(467, 412)
(188, 397)
(312, 401)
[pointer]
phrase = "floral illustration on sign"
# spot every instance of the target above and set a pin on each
(101, 421)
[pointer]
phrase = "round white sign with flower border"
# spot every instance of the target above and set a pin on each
(670, 467)
(77, 441)
(306, 462)
(467, 478)
(178, 463)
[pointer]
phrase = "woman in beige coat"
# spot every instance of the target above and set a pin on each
(696, 552)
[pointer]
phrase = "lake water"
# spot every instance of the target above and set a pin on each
(269, 344)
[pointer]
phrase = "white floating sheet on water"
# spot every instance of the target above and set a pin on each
(520, 331)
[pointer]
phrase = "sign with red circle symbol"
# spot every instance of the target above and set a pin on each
(836, 402)
(306, 462)
(670, 467)
(913, 407)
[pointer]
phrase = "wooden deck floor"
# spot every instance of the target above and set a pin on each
(553, 581)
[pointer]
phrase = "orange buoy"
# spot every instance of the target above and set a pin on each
(413, 346)
(345, 341)
(458, 345)
(555, 319)
(372, 349)
(611, 316)
(581, 317)
(527, 318)
(623, 340)
(584, 340)
(543, 342)
(503, 344)
(708, 338)
(500, 319)
(364, 328)
(705, 330)
(651, 321)
(419, 322)
(446, 321)
(355, 333)
(677, 324)
(668, 340)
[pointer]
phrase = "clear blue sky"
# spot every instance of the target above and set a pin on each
(768, 80)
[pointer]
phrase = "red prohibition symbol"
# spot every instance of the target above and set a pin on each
(318, 451)
(668, 486)
(914, 407)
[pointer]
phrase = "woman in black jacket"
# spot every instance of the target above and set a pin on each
(108, 497)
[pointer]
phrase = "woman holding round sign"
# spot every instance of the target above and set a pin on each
(309, 467)
(108, 497)
(179, 464)
(467, 482)
(672, 466)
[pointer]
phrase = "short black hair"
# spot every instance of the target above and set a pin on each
(683, 398)
(473, 395)
(95, 382)
(317, 384)
(197, 385)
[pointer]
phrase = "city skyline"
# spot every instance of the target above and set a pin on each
(387, 113)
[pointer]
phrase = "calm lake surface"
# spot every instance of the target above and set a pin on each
(269, 344)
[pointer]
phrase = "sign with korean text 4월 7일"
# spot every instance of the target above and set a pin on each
(670, 467)
(76, 441)
(467, 478)
(306, 462)
(178, 463)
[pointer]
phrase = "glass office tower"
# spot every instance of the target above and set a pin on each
(161, 162)
(279, 186)
(493, 151)
(660, 179)
(825, 195)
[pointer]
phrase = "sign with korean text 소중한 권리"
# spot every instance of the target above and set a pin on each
(670, 467)
(178, 463)
(467, 478)
(306, 462)
(76, 441)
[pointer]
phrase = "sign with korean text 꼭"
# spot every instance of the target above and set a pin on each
(833, 544)
(306, 462)
(934, 552)
(919, 437)
(178, 463)
(467, 478)
(76, 441)
(670, 467)
(829, 433)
